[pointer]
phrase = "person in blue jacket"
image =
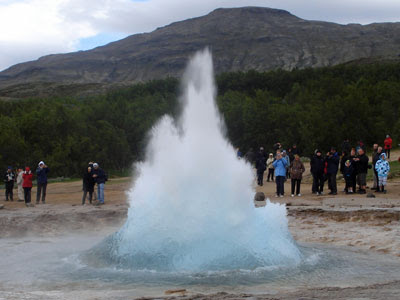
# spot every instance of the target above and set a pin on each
(100, 177)
(280, 174)
(41, 173)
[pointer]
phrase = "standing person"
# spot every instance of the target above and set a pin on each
(346, 146)
(388, 145)
(362, 170)
(285, 156)
(9, 179)
(239, 153)
(260, 166)
(277, 146)
(317, 167)
(354, 164)
(343, 159)
(295, 150)
(41, 173)
(383, 168)
(88, 185)
(94, 190)
(332, 168)
(296, 174)
(270, 167)
(280, 174)
(375, 157)
(27, 177)
(313, 188)
(250, 156)
(19, 185)
(100, 178)
(348, 170)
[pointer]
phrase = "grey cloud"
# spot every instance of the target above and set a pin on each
(129, 17)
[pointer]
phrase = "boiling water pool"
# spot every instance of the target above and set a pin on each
(58, 267)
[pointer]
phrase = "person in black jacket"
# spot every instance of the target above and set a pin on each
(346, 146)
(9, 178)
(362, 169)
(250, 156)
(88, 185)
(332, 168)
(100, 178)
(261, 166)
(351, 157)
(317, 171)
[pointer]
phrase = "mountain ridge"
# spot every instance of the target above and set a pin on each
(241, 39)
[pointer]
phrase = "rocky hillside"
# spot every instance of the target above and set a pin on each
(240, 39)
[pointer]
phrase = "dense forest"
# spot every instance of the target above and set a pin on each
(315, 108)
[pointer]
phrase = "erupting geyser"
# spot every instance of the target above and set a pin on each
(191, 206)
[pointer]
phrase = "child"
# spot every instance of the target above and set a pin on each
(382, 167)
(348, 176)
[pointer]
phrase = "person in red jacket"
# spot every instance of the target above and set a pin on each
(388, 145)
(27, 185)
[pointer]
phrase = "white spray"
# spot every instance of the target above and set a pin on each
(191, 208)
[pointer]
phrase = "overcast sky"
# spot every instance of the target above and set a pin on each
(33, 28)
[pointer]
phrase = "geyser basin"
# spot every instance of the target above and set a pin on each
(50, 268)
(191, 207)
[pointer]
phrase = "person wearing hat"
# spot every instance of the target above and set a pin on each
(27, 177)
(317, 171)
(348, 170)
(41, 173)
(383, 168)
(388, 145)
(100, 177)
(9, 179)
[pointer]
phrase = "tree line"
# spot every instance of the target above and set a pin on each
(314, 108)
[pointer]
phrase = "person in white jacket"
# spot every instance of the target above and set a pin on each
(19, 184)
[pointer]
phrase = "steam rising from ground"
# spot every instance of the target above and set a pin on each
(191, 207)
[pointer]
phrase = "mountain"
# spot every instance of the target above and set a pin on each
(240, 39)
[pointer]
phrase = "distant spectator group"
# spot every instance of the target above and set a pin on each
(24, 180)
(92, 176)
(352, 162)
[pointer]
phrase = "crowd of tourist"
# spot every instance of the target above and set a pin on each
(24, 181)
(352, 162)
(281, 165)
